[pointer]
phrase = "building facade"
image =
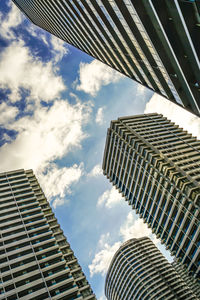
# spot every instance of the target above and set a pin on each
(154, 43)
(155, 165)
(192, 282)
(139, 271)
(36, 261)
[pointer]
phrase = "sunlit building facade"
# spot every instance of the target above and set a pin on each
(154, 43)
(155, 165)
(36, 261)
(139, 271)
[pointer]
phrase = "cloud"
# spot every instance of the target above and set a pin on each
(96, 171)
(102, 259)
(131, 228)
(109, 198)
(102, 298)
(7, 114)
(49, 134)
(94, 75)
(134, 228)
(19, 69)
(99, 116)
(6, 138)
(38, 33)
(57, 182)
(141, 89)
(12, 20)
(59, 48)
(175, 113)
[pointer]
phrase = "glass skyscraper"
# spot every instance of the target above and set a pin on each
(156, 43)
(36, 261)
(155, 165)
(139, 271)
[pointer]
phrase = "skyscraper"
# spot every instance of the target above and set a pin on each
(193, 283)
(36, 261)
(155, 165)
(139, 271)
(155, 43)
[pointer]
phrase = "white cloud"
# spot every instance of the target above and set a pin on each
(20, 70)
(134, 228)
(94, 75)
(7, 114)
(45, 136)
(102, 259)
(12, 20)
(6, 138)
(131, 228)
(175, 113)
(59, 48)
(109, 198)
(102, 298)
(141, 89)
(96, 171)
(59, 202)
(99, 116)
(57, 182)
(38, 33)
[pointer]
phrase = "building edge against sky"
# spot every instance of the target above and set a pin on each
(159, 50)
(155, 165)
(36, 260)
(139, 271)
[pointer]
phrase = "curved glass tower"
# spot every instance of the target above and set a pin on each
(139, 271)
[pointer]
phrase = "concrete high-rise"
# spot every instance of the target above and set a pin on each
(193, 283)
(139, 271)
(154, 42)
(155, 165)
(36, 261)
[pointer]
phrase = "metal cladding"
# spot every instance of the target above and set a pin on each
(36, 261)
(155, 165)
(139, 271)
(155, 43)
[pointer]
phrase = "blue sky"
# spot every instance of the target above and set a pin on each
(56, 104)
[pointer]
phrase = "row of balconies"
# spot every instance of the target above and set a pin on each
(63, 283)
(14, 211)
(58, 233)
(27, 253)
(55, 227)
(16, 218)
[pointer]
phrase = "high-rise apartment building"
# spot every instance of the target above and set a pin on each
(155, 165)
(36, 261)
(155, 43)
(193, 283)
(139, 271)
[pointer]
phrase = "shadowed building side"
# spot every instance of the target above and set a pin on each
(192, 282)
(152, 42)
